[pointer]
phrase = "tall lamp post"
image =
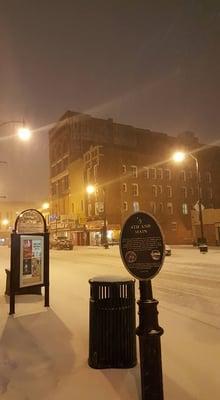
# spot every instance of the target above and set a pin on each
(179, 157)
(91, 189)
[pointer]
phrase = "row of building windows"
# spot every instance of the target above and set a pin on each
(157, 190)
(160, 173)
(159, 208)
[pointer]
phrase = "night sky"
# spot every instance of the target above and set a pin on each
(152, 64)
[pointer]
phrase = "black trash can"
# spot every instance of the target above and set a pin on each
(112, 338)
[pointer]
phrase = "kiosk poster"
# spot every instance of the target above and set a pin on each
(31, 260)
(142, 246)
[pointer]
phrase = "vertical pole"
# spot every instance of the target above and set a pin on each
(46, 296)
(199, 200)
(105, 238)
(12, 262)
(149, 333)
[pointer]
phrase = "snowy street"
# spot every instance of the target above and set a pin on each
(43, 352)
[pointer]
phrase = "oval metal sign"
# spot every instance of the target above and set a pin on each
(142, 246)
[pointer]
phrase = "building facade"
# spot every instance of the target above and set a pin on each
(131, 170)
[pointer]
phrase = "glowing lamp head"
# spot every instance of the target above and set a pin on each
(90, 189)
(179, 156)
(24, 133)
(45, 206)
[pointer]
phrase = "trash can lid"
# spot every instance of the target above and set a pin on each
(111, 278)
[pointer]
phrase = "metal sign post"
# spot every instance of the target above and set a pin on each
(142, 251)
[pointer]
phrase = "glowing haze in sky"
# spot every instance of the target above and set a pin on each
(152, 64)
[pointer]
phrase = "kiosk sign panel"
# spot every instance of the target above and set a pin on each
(31, 260)
(29, 256)
(142, 246)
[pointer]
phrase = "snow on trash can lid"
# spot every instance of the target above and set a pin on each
(110, 278)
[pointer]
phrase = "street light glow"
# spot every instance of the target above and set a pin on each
(24, 133)
(45, 206)
(5, 222)
(179, 156)
(90, 189)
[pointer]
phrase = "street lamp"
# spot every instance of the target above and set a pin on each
(90, 189)
(179, 157)
(23, 132)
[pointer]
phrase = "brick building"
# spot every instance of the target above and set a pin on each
(131, 170)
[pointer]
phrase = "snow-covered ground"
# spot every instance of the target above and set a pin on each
(43, 352)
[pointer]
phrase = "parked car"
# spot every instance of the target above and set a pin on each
(167, 250)
(64, 244)
(61, 243)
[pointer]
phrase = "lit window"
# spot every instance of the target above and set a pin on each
(124, 187)
(153, 207)
(134, 171)
(160, 208)
(159, 173)
(170, 208)
(208, 177)
(124, 169)
(183, 175)
(89, 210)
(88, 175)
(136, 206)
(167, 174)
(154, 191)
(96, 208)
(95, 168)
(185, 209)
(159, 189)
(190, 174)
(134, 189)
(169, 191)
(146, 173)
(184, 191)
(152, 173)
(210, 193)
(125, 206)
